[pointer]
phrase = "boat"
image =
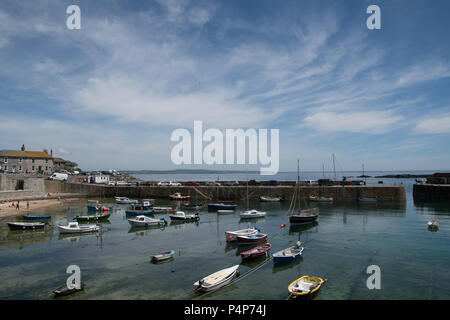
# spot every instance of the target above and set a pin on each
(125, 200)
(163, 256)
(64, 290)
(74, 227)
(96, 217)
(30, 217)
(187, 206)
(221, 206)
(25, 225)
(432, 224)
(320, 199)
(288, 254)
(252, 238)
(232, 235)
(178, 196)
(225, 211)
(252, 214)
(305, 286)
(367, 200)
(143, 221)
(143, 206)
(299, 215)
(162, 209)
(138, 212)
(180, 215)
(217, 279)
(256, 252)
(269, 199)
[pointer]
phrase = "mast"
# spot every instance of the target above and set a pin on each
(298, 182)
(323, 171)
(247, 190)
(334, 168)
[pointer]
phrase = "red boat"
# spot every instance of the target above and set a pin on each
(256, 252)
(252, 238)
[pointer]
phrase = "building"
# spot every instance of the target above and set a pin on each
(23, 161)
(61, 164)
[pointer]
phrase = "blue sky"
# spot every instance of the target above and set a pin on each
(110, 94)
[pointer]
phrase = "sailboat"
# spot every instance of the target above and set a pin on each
(299, 215)
(251, 213)
(314, 198)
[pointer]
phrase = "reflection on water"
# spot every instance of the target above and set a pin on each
(339, 246)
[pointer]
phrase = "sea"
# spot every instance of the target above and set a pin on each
(342, 247)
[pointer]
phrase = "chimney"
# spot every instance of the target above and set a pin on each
(51, 152)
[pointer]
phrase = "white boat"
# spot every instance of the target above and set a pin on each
(125, 200)
(217, 279)
(252, 214)
(270, 199)
(180, 215)
(143, 221)
(74, 227)
(225, 211)
(162, 209)
(163, 256)
(432, 224)
(232, 235)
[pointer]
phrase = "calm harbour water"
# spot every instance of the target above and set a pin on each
(347, 238)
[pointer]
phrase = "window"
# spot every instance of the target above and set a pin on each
(46, 160)
(5, 160)
(20, 160)
(32, 168)
(20, 168)
(46, 168)
(6, 168)
(32, 161)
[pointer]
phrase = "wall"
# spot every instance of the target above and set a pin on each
(339, 193)
(431, 192)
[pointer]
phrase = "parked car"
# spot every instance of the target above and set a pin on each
(191, 183)
(152, 183)
(231, 183)
(252, 183)
(171, 183)
(271, 183)
(212, 183)
(163, 183)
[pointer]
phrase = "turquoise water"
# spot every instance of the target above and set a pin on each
(347, 238)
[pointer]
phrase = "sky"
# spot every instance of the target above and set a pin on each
(109, 95)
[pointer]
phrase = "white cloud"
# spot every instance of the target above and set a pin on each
(434, 125)
(373, 122)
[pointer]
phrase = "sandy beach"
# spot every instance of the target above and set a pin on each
(7, 209)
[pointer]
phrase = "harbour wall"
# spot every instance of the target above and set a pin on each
(232, 193)
(431, 192)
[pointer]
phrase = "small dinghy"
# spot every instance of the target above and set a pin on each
(194, 207)
(25, 225)
(180, 215)
(270, 199)
(217, 279)
(74, 227)
(162, 209)
(144, 206)
(252, 214)
(367, 200)
(96, 217)
(305, 286)
(225, 211)
(221, 206)
(254, 238)
(138, 212)
(432, 224)
(320, 199)
(163, 256)
(178, 196)
(288, 254)
(30, 217)
(143, 221)
(256, 252)
(64, 290)
(232, 235)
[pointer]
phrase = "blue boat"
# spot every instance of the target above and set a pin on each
(138, 213)
(288, 254)
(29, 217)
(221, 206)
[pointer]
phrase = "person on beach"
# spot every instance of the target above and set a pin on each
(17, 205)
(28, 205)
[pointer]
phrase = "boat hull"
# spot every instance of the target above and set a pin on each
(92, 218)
(314, 285)
(85, 229)
(251, 239)
(256, 252)
(221, 206)
(36, 217)
(232, 235)
(163, 256)
(25, 226)
(227, 276)
(138, 213)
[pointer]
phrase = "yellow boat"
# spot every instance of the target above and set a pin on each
(305, 286)
(320, 199)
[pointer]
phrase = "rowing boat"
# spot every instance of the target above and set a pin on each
(217, 279)
(256, 252)
(288, 254)
(25, 225)
(163, 256)
(305, 286)
(251, 238)
(232, 235)
(96, 217)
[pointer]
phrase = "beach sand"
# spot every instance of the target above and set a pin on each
(6, 210)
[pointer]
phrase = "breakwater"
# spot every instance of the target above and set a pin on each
(233, 193)
(431, 192)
